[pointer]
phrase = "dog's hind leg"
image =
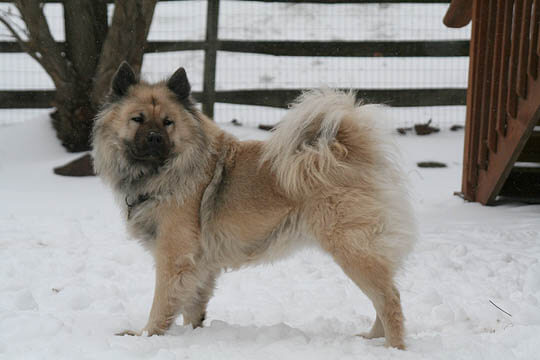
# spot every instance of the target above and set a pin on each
(373, 275)
(194, 311)
(374, 278)
(377, 330)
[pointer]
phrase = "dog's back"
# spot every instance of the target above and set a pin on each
(328, 143)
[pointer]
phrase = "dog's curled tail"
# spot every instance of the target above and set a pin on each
(325, 139)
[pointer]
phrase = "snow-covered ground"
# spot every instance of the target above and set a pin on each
(70, 277)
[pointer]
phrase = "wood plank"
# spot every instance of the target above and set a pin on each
(308, 48)
(26, 99)
(304, 1)
(357, 1)
(480, 7)
(532, 67)
(269, 97)
(151, 46)
(168, 46)
(531, 151)
(350, 48)
(109, 1)
(495, 76)
(468, 187)
(524, 49)
(485, 106)
(392, 97)
(59, 1)
(514, 60)
(502, 117)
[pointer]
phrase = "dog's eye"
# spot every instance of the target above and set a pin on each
(167, 122)
(138, 119)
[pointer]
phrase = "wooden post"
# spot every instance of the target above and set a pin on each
(210, 56)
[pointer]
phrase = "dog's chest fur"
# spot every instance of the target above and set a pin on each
(142, 221)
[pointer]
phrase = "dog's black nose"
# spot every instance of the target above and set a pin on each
(154, 138)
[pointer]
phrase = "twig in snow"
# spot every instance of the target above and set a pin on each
(506, 312)
(266, 127)
(431, 164)
(403, 130)
(425, 129)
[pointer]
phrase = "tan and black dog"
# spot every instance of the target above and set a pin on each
(202, 201)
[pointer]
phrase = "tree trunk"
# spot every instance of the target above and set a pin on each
(73, 120)
(130, 25)
(85, 23)
(82, 71)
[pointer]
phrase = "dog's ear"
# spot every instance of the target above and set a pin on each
(122, 80)
(178, 83)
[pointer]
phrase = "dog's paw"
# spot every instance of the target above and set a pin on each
(397, 345)
(366, 335)
(370, 335)
(143, 332)
(129, 332)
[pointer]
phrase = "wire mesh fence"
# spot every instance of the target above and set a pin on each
(255, 20)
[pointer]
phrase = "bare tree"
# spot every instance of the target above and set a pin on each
(82, 69)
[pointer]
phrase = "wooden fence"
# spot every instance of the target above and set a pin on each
(281, 97)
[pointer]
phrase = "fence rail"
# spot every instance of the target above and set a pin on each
(305, 1)
(281, 97)
(436, 48)
(36, 99)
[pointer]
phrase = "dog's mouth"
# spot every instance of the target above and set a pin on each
(148, 156)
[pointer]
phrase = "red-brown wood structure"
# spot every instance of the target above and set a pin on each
(502, 137)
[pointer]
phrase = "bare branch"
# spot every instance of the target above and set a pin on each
(13, 27)
(25, 45)
(8, 16)
(42, 42)
(504, 311)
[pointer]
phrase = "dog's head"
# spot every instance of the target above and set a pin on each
(144, 127)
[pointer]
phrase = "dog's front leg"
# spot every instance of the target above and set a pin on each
(170, 284)
(177, 280)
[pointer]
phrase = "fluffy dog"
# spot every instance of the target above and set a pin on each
(202, 201)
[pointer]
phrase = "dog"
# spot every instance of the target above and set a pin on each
(202, 201)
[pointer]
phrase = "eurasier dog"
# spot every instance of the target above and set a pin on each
(202, 201)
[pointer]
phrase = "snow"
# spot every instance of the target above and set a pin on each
(70, 277)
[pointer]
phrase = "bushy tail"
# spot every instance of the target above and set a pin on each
(324, 139)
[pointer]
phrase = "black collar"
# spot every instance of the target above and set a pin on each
(140, 199)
